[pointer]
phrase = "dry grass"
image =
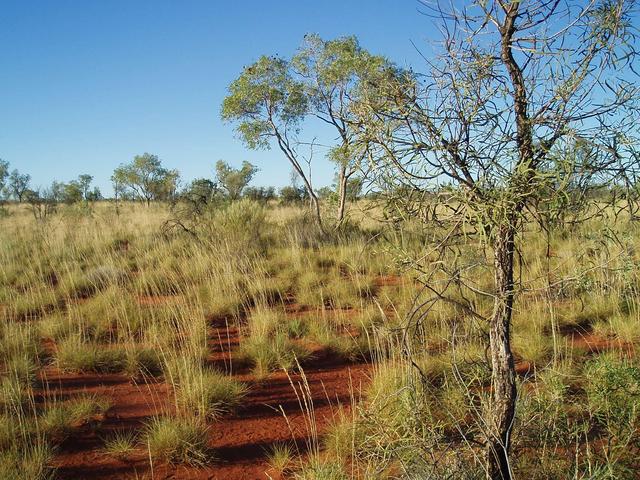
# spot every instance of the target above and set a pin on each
(107, 293)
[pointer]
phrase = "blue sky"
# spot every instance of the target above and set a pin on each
(86, 84)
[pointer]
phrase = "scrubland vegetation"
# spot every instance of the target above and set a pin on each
(462, 303)
(100, 293)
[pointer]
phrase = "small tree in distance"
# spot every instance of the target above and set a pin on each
(18, 184)
(234, 180)
(84, 181)
(4, 173)
(145, 178)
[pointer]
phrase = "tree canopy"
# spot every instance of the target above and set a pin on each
(146, 178)
(234, 180)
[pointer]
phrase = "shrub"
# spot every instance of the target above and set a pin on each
(613, 393)
(143, 362)
(280, 457)
(59, 419)
(265, 354)
(106, 275)
(242, 225)
(319, 469)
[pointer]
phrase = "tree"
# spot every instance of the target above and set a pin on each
(4, 173)
(84, 181)
(118, 189)
(199, 195)
(18, 184)
(146, 178)
(168, 186)
(72, 192)
(272, 97)
(93, 195)
(515, 82)
(260, 194)
(234, 180)
(268, 104)
(292, 194)
(332, 73)
(42, 203)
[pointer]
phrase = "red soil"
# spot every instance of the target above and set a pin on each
(240, 441)
(594, 343)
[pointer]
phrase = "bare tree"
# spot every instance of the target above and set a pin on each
(516, 82)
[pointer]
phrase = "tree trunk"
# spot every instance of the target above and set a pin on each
(503, 396)
(316, 209)
(342, 195)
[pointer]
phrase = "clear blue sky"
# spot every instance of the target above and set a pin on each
(87, 84)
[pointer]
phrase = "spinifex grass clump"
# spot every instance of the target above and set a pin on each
(177, 440)
(269, 344)
(159, 305)
(201, 391)
(75, 355)
(59, 418)
(121, 444)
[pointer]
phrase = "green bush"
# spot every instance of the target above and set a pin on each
(613, 393)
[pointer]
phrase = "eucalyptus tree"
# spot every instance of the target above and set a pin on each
(146, 178)
(272, 98)
(4, 173)
(84, 181)
(18, 184)
(119, 188)
(514, 83)
(332, 72)
(268, 104)
(234, 180)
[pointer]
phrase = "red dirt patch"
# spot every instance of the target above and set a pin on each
(81, 455)
(593, 343)
(240, 441)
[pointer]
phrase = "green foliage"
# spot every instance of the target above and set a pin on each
(203, 392)
(320, 469)
(280, 457)
(30, 463)
(234, 180)
(146, 178)
(291, 195)
(264, 94)
(75, 355)
(613, 392)
(60, 418)
(18, 184)
(4, 173)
